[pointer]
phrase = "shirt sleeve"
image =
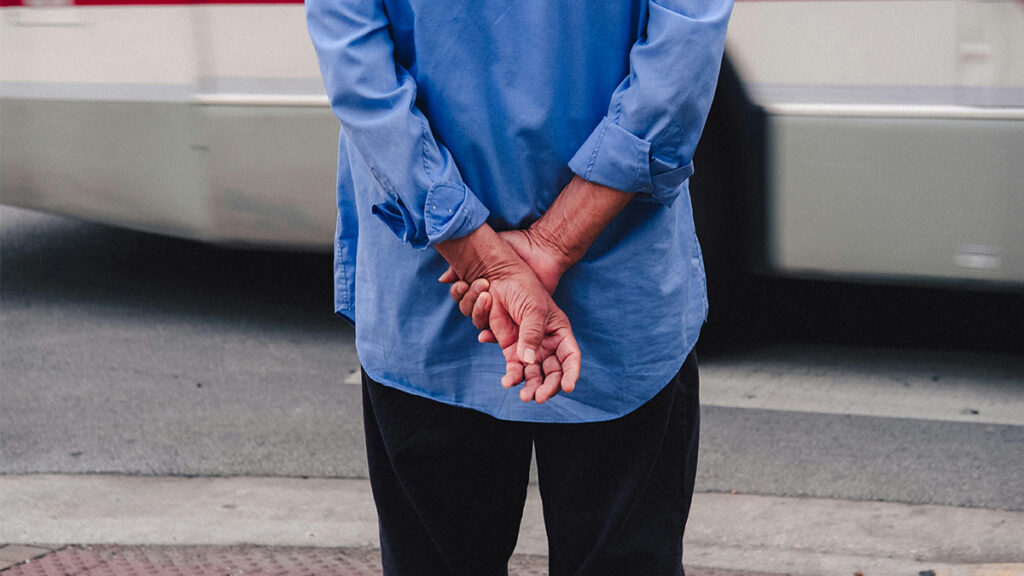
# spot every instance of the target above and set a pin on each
(646, 141)
(423, 197)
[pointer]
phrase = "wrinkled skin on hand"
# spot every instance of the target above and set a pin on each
(534, 334)
(549, 247)
(557, 361)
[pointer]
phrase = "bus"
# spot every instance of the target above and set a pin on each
(869, 140)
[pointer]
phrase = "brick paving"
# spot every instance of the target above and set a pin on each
(115, 560)
(221, 561)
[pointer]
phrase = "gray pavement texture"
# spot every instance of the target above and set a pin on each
(136, 353)
(862, 458)
(130, 353)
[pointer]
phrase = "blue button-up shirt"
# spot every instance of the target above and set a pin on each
(460, 112)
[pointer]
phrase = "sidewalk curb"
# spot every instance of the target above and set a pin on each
(768, 534)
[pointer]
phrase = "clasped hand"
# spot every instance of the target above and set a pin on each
(507, 294)
(504, 283)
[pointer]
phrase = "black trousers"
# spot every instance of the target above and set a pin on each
(450, 483)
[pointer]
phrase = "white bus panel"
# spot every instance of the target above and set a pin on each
(893, 140)
(895, 135)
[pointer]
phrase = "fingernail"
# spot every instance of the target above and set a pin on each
(529, 356)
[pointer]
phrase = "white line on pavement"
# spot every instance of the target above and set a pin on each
(957, 387)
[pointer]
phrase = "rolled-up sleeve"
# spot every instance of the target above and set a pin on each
(645, 143)
(423, 198)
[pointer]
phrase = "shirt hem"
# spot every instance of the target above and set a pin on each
(664, 376)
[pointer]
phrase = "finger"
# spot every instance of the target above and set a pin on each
(505, 331)
(509, 352)
(487, 337)
(449, 276)
(513, 374)
(533, 378)
(482, 310)
(478, 286)
(569, 356)
(552, 380)
(531, 335)
(458, 290)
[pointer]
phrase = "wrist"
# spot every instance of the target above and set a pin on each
(560, 255)
(479, 254)
(575, 219)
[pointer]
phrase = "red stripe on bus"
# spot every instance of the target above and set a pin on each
(8, 3)
(178, 2)
(11, 3)
(5, 3)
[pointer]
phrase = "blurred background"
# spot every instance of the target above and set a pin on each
(167, 170)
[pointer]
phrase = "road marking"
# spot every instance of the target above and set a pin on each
(921, 385)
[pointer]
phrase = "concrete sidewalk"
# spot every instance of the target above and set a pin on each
(334, 520)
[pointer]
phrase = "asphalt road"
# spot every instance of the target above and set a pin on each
(126, 352)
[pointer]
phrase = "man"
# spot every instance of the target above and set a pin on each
(537, 155)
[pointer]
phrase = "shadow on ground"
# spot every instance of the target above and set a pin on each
(51, 259)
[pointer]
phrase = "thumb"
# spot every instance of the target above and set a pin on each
(449, 276)
(503, 329)
(531, 334)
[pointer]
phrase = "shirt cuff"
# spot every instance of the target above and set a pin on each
(613, 156)
(450, 211)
